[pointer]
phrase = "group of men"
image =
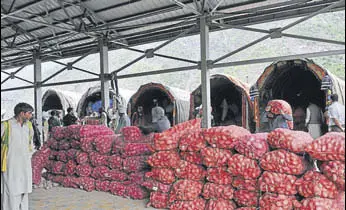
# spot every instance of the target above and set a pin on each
(334, 117)
(17, 136)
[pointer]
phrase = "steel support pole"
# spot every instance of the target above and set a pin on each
(104, 72)
(205, 73)
(38, 90)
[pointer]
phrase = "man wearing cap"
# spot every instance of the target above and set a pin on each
(159, 119)
(124, 120)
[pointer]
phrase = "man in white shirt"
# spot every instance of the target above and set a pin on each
(314, 119)
(336, 115)
(16, 170)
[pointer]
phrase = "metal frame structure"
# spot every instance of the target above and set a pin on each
(33, 36)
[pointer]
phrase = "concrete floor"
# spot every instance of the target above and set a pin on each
(59, 198)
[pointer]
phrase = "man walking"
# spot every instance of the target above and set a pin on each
(16, 150)
(336, 115)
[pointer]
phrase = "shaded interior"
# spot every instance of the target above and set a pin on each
(297, 85)
(52, 102)
(94, 98)
(145, 99)
(221, 89)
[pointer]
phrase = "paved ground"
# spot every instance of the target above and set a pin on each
(59, 198)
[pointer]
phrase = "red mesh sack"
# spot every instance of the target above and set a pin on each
(190, 171)
(97, 159)
(115, 175)
(220, 204)
(185, 190)
(192, 157)
(117, 188)
(131, 133)
(86, 144)
(158, 200)
(219, 176)
(164, 175)
(335, 172)
(53, 144)
(278, 107)
(84, 170)
(118, 144)
(271, 201)
(101, 173)
(339, 202)
(103, 144)
(166, 141)
(316, 203)
(215, 191)
(185, 126)
(75, 144)
(102, 186)
(253, 146)
(214, 157)
(39, 159)
(74, 131)
(328, 147)
(246, 198)
(115, 162)
(134, 164)
(198, 204)
(136, 192)
(247, 208)
(95, 130)
(58, 167)
(156, 186)
(224, 137)
(137, 178)
(58, 132)
(164, 159)
(61, 156)
(245, 184)
(278, 183)
(70, 168)
(87, 183)
(282, 161)
(71, 154)
(294, 141)
(64, 145)
(69, 181)
(239, 165)
(314, 184)
(136, 149)
(57, 178)
(82, 158)
(192, 141)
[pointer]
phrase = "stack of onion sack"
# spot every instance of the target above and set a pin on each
(325, 190)
(190, 168)
(38, 161)
(92, 157)
(245, 168)
(282, 166)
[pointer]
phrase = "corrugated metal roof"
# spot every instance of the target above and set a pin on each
(66, 28)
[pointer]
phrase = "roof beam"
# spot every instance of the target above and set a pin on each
(21, 9)
(280, 58)
(282, 34)
(186, 7)
(280, 30)
(18, 70)
(14, 76)
(217, 6)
